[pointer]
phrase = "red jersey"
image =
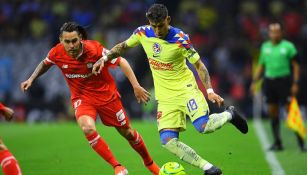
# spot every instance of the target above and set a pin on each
(84, 85)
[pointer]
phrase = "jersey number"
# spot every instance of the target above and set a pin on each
(77, 104)
(192, 105)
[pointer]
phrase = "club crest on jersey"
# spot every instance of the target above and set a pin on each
(89, 65)
(156, 48)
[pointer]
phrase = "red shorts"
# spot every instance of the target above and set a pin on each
(111, 114)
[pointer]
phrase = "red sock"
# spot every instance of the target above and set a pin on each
(102, 148)
(8, 163)
(139, 146)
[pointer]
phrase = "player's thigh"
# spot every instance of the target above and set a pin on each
(86, 116)
(171, 116)
(84, 109)
(196, 105)
(113, 114)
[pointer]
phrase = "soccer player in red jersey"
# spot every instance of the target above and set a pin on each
(92, 94)
(8, 162)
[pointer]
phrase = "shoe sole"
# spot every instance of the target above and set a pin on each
(240, 123)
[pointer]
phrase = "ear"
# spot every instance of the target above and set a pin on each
(168, 18)
(80, 36)
(60, 38)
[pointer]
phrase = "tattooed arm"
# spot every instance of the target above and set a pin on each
(39, 70)
(205, 79)
(115, 52)
(203, 74)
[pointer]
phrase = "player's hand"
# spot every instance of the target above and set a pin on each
(214, 98)
(97, 67)
(26, 85)
(141, 94)
(8, 113)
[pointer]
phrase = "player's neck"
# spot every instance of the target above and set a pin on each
(276, 42)
(77, 56)
(165, 36)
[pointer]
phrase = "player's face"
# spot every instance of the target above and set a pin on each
(275, 32)
(161, 28)
(71, 42)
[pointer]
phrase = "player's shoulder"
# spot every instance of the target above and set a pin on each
(266, 44)
(92, 46)
(287, 42)
(176, 35)
(145, 30)
(91, 43)
(58, 49)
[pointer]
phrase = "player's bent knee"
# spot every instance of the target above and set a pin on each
(167, 135)
(87, 130)
(200, 123)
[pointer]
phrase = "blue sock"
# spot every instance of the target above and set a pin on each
(200, 123)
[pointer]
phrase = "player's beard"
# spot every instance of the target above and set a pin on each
(74, 52)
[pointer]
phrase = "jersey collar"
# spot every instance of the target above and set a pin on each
(82, 45)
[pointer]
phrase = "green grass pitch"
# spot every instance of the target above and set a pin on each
(61, 149)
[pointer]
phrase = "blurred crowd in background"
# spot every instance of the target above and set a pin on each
(226, 33)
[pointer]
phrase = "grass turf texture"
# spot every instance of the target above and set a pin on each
(61, 149)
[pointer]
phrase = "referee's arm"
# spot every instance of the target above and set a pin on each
(296, 76)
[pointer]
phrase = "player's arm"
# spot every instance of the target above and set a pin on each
(205, 79)
(41, 68)
(6, 111)
(115, 52)
(296, 76)
(140, 93)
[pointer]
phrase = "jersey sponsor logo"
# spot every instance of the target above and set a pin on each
(123, 123)
(156, 48)
(120, 115)
(78, 75)
(157, 65)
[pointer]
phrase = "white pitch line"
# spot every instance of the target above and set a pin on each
(262, 136)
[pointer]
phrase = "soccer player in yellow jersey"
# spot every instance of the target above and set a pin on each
(177, 93)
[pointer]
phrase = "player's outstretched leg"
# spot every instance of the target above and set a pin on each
(170, 141)
(237, 120)
(137, 143)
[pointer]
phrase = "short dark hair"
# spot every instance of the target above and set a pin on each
(157, 13)
(73, 26)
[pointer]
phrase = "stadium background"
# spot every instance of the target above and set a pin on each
(227, 34)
